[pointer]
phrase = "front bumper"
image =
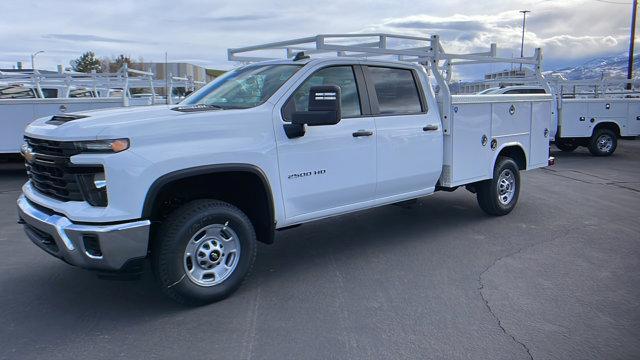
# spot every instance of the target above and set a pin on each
(96, 247)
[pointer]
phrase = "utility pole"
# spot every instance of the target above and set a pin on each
(631, 41)
(524, 22)
(33, 56)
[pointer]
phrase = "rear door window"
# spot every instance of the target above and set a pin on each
(396, 90)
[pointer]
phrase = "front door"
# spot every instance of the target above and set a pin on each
(331, 168)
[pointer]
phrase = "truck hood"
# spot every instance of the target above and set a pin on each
(91, 124)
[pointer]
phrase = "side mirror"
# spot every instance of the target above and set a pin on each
(324, 109)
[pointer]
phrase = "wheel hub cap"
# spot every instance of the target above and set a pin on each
(506, 186)
(211, 255)
(605, 142)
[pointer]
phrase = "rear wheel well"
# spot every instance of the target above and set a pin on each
(608, 125)
(516, 153)
(246, 189)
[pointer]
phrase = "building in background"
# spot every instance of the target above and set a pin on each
(493, 80)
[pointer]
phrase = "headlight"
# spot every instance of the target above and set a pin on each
(103, 146)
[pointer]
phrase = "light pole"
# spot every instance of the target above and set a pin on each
(33, 56)
(524, 22)
(631, 41)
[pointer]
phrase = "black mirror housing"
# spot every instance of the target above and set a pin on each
(324, 107)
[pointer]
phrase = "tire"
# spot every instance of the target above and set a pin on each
(499, 195)
(189, 258)
(603, 142)
(565, 146)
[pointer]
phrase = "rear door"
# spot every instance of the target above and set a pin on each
(409, 136)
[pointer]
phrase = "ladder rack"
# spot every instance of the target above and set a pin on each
(124, 79)
(426, 51)
(403, 47)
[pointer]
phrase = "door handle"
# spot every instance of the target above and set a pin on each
(430, 127)
(360, 133)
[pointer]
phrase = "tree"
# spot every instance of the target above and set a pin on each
(114, 64)
(86, 63)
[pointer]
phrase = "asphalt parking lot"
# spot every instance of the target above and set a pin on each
(559, 278)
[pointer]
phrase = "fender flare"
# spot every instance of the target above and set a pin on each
(165, 179)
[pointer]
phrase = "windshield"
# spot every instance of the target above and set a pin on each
(243, 88)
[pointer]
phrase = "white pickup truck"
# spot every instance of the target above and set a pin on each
(265, 147)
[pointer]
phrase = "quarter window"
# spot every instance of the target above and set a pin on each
(341, 76)
(396, 91)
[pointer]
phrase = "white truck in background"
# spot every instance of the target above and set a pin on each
(268, 146)
(595, 114)
(590, 113)
(26, 97)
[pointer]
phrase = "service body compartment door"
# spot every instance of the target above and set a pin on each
(510, 119)
(574, 119)
(540, 132)
(633, 122)
(470, 143)
(608, 108)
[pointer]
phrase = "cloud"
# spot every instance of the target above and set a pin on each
(86, 38)
(570, 31)
(472, 33)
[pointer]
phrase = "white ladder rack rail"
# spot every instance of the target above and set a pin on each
(100, 81)
(427, 51)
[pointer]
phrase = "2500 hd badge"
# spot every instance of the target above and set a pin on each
(306, 174)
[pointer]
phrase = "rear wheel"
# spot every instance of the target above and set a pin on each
(499, 195)
(203, 252)
(603, 143)
(565, 145)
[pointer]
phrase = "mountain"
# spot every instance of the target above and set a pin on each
(610, 67)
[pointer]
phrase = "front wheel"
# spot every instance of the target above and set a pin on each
(499, 195)
(203, 252)
(603, 143)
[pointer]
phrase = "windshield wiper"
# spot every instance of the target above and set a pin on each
(197, 107)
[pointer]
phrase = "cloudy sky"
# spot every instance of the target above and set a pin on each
(570, 31)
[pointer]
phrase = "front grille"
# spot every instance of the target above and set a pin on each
(51, 171)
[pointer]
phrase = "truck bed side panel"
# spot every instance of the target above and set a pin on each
(506, 120)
